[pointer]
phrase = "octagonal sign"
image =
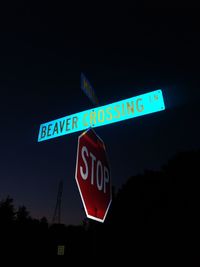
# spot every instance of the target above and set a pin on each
(93, 175)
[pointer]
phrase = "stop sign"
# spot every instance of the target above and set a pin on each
(93, 175)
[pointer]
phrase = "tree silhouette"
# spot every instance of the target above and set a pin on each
(22, 214)
(153, 219)
(7, 211)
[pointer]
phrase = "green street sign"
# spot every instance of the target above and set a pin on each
(100, 116)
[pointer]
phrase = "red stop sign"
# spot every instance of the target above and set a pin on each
(93, 175)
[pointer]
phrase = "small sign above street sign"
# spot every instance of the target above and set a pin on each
(100, 116)
(88, 90)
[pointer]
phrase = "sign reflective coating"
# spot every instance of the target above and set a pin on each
(100, 116)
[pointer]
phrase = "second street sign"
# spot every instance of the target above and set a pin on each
(100, 116)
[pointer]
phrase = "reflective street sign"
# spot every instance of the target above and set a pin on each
(88, 90)
(100, 116)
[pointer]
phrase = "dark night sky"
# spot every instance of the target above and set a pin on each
(123, 53)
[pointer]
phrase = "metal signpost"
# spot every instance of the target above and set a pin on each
(92, 168)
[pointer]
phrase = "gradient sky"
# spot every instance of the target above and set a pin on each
(42, 53)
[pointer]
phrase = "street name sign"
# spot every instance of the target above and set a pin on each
(115, 112)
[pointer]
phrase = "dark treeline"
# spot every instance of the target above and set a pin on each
(153, 219)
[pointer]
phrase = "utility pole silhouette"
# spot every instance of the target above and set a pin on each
(57, 211)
